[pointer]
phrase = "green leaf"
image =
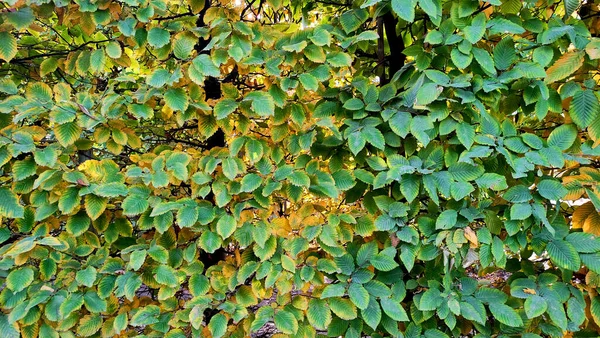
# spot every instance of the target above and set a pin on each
(226, 226)
(566, 65)
(584, 108)
(113, 189)
(67, 133)
(89, 325)
(520, 211)
(318, 314)
(9, 204)
(466, 134)
(251, 182)
(320, 37)
(374, 137)
(158, 78)
(475, 31)
(187, 216)
(518, 194)
(19, 279)
(372, 314)
(120, 323)
(48, 66)
(405, 9)
(8, 46)
(333, 290)
(199, 284)
(446, 220)
(428, 93)
(97, 61)
(113, 50)
(73, 303)
(146, 315)
(460, 59)
(343, 308)
(506, 315)
(95, 205)
(176, 99)
(551, 189)
(225, 107)
(46, 157)
(86, 277)
(210, 241)
(183, 45)
(262, 103)
(8, 86)
(20, 18)
(295, 47)
(485, 60)
(134, 205)
(24, 169)
(394, 310)
(563, 254)
(299, 179)
(563, 136)
(383, 262)
(353, 19)
(359, 295)
(218, 325)
(78, 224)
(354, 104)
(286, 322)
(570, 7)
(254, 150)
(595, 309)
(356, 142)
(315, 54)
(339, 59)
(141, 111)
(430, 300)
(492, 181)
(166, 275)
(504, 53)
(205, 65)
(535, 306)
(39, 92)
(158, 37)
(308, 81)
(469, 312)
(462, 171)
(94, 303)
(584, 242)
(136, 259)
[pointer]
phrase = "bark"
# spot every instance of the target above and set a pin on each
(396, 44)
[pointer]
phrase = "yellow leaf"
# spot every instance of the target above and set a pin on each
(471, 236)
(566, 65)
(581, 214)
(592, 223)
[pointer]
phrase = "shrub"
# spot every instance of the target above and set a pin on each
(337, 168)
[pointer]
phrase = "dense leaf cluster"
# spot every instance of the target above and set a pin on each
(381, 168)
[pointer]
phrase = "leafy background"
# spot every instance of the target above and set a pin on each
(406, 168)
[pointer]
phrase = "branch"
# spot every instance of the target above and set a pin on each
(395, 42)
(66, 52)
(176, 16)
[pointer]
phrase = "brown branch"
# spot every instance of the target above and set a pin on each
(66, 52)
(396, 44)
(176, 16)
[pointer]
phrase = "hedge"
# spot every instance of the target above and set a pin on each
(299, 168)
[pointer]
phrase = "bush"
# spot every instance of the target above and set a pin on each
(312, 168)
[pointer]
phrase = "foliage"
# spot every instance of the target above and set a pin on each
(335, 168)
